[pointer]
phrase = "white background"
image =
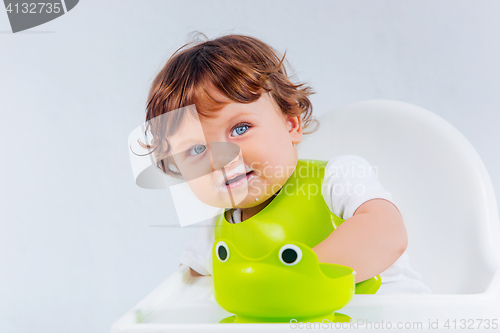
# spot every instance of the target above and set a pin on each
(76, 247)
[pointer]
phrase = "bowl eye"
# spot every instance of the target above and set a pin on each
(222, 251)
(290, 254)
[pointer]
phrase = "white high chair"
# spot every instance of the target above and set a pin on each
(447, 201)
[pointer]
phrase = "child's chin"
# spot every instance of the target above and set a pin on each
(252, 201)
(222, 199)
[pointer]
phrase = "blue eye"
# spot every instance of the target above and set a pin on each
(239, 130)
(197, 150)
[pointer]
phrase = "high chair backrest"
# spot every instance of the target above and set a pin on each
(436, 177)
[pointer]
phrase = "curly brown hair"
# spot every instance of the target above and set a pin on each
(237, 66)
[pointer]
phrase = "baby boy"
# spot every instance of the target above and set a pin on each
(234, 91)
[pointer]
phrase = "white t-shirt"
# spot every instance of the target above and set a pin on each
(349, 182)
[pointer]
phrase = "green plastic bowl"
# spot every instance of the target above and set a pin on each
(286, 283)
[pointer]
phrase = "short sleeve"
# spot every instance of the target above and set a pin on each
(198, 252)
(349, 182)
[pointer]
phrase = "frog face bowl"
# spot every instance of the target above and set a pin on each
(287, 282)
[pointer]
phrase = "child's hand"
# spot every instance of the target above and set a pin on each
(369, 242)
(193, 272)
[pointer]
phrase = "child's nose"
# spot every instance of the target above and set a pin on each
(223, 153)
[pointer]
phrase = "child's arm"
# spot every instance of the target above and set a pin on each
(369, 242)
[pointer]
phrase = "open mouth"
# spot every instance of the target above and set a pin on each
(236, 179)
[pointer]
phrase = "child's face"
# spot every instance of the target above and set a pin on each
(268, 156)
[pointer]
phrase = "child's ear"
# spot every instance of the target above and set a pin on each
(294, 128)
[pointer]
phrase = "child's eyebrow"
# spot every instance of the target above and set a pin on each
(239, 114)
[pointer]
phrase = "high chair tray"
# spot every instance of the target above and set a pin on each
(183, 303)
